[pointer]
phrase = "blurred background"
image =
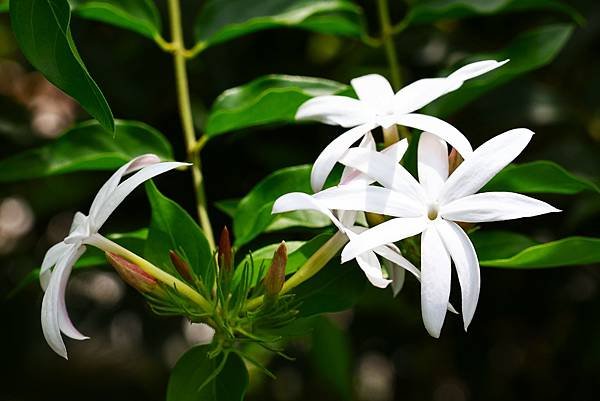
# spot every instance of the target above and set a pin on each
(534, 336)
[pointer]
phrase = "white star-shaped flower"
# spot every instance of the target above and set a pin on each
(60, 258)
(377, 105)
(432, 207)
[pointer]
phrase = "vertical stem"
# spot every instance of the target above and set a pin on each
(187, 122)
(388, 42)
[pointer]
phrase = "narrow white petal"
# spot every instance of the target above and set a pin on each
(485, 162)
(384, 233)
(126, 187)
(335, 110)
(432, 164)
(439, 128)
(465, 260)
(369, 199)
(374, 90)
(476, 69)
(332, 154)
(111, 184)
(66, 326)
(435, 281)
(397, 275)
(384, 169)
(422, 92)
(301, 201)
(50, 259)
(370, 265)
(494, 206)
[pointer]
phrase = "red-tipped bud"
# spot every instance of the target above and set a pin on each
(225, 252)
(182, 267)
(132, 274)
(276, 275)
(454, 160)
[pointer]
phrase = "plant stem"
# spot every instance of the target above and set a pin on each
(388, 42)
(187, 122)
(107, 245)
(312, 266)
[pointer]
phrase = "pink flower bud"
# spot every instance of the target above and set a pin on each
(132, 274)
(454, 160)
(182, 267)
(225, 252)
(276, 275)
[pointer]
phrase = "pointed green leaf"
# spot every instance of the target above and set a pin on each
(223, 20)
(172, 228)
(140, 16)
(527, 52)
(498, 244)
(253, 215)
(42, 30)
(428, 11)
(195, 367)
(539, 177)
(87, 146)
(266, 100)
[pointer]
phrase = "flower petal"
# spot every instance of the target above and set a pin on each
(435, 281)
(384, 169)
(374, 90)
(370, 265)
(333, 152)
(432, 164)
(369, 199)
(382, 234)
(66, 326)
(439, 128)
(391, 253)
(126, 187)
(52, 256)
(465, 260)
(494, 206)
(301, 201)
(476, 69)
(335, 110)
(352, 176)
(485, 162)
(422, 92)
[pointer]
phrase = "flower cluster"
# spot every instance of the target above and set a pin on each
(443, 197)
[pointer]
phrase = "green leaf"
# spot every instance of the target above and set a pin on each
(87, 146)
(498, 244)
(172, 228)
(266, 100)
(331, 356)
(228, 206)
(3, 6)
(253, 215)
(140, 16)
(539, 177)
(335, 288)
(565, 252)
(428, 11)
(527, 52)
(195, 367)
(223, 20)
(42, 30)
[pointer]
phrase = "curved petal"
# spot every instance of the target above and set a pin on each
(126, 187)
(432, 162)
(374, 90)
(370, 265)
(439, 128)
(435, 281)
(352, 176)
(385, 170)
(422, 92)
(335, 110)
(382, 234)
(485, 162)
(51, 257)
(333, 152)
(397, 275)
(465, 260)
(66, 326)
(494, 206)
(369, 199)
(476, 69)
(301, 201)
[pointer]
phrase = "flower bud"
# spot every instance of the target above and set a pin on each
(275, 278)
(454, 160)
(133, 275)
(225, 252)
(182, 267)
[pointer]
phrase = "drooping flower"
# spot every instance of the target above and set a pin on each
(60, 258)
(432, 207)
(345, 220)
(377, 105)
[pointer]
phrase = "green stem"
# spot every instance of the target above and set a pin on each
(312, 266)
(185, 111)
(388, 42)
(107, 245)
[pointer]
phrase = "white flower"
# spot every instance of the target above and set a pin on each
(345, 221)
(60, 258)
(432, 207)
(377, 105)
